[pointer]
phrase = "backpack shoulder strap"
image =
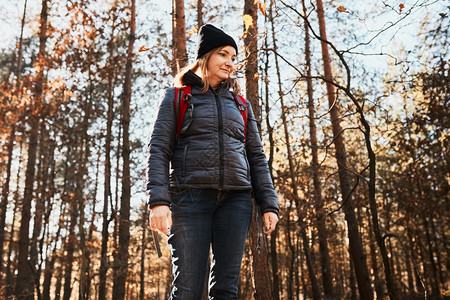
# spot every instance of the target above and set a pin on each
(181, 103)
(242, 105)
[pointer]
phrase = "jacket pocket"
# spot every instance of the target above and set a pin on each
(183, 169)
(247, 165)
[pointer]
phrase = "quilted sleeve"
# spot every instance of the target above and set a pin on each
(160, 149)
(265, 194)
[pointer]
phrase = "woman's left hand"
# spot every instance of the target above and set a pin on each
(269, 220)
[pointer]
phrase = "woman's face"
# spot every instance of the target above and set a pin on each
(220, 65)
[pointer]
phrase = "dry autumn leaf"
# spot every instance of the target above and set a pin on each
(193, 30)
(248, 21)
(341, 9)
(262, 8)
(143, 48)
(401, 6)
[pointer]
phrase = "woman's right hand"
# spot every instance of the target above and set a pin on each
(161, 219)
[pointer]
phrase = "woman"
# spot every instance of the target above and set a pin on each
(215, 164)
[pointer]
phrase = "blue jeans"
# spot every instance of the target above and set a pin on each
(203, 218)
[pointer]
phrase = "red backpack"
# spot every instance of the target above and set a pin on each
(183, 101)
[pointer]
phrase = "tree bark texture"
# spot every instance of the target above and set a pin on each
(179, 53)
(199, 13)
(263, 284)
(251, 75)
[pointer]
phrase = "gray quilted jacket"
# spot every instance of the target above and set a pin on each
(211, 153)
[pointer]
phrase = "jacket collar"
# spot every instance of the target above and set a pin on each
(190, 78)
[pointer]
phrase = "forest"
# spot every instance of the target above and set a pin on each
(352, 101)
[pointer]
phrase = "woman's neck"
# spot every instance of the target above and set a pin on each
(214, 85)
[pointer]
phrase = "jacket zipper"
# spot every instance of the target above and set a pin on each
(221, 150)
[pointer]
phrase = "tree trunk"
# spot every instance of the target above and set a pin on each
(49, 196)
(24, 283)
(79, 191)
(306, 248)
(10, 269)
(433, 278)
(66, 199)
(263, 285)
(316, 294)
(107, 196)
(355, 243)
(304, 284)
(115, 208)
(199, 13)
(373, 258)
(435, 241)
(294, 254)
(121, 260)
(143, 248)
(50, 262)
(70, 247)
(43, 166)
(58, 285)
(353, 293)
(92, 227)
(273, 244)
(274, 257)
(5, 194)
(273, 236)
(9, 280)
(179, 53)
(270, 129)
(293, 180)
(12, 137)
(251, 75)
(318, 200)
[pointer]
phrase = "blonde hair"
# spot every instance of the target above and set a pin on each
(231, 83)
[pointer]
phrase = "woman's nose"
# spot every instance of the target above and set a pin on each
(229, 62)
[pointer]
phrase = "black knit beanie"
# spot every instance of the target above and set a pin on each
(210, 37)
